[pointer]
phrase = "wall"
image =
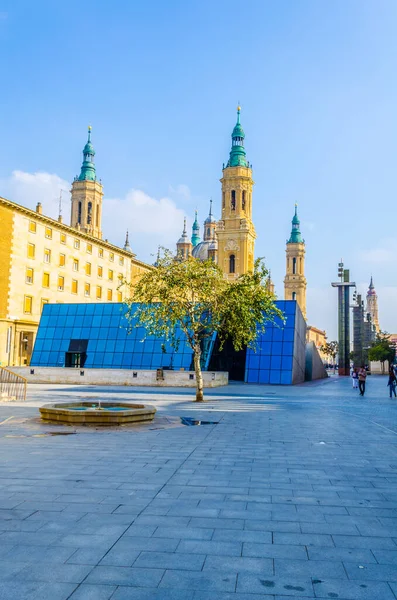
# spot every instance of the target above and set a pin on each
(118, 377)
(314, 365)
(280, 352)
(376, 368)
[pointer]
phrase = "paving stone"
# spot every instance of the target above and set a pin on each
(93, 592)
(210, 547)
(87, 556)
(308, 568)
(125, 576)
(254, 584)
(274, 551)
(352, 590)
(343, 554)
(303, 539)
(352, 541)
(56, 573)
(169, 560)
(197, 580)
(188, 533)
(124, 593)
(381, 572)
(244, 535)
(30, 554)
(239, 564)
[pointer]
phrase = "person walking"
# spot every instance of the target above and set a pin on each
(362, 376)
(355, 378)
(392, 382)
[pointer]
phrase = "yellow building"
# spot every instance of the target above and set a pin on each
(295, 280)
(319, 337)
(43, 260)
(235, 232)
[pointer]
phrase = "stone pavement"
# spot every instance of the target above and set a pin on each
(292, 494)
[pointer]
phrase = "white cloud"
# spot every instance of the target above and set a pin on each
(384, 253)
(181, 190)
(151, 222)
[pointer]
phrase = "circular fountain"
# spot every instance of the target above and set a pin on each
(97, 413)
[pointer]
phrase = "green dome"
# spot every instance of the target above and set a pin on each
(296, 236)
(237, 156)
(88, 172)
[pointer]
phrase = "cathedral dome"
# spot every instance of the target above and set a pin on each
(201, 250)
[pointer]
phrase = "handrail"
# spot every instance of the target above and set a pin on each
(12, 385)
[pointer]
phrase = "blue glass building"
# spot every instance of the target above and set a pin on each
(99, 336)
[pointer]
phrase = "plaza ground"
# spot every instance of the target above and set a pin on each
(291, 494)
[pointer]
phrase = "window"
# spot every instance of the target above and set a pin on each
(27, 305)
(29, 275)
(98, 292)
(223, 200)
(62, 260)
(243, 200)
(89, 248)
(233, 199)
(119, 296)
(110, 274)
(46, 280)
(79, 213)
(100, 252)
(88, 268)
(47, 255)
(63, 238)
(293, 295)
(121, 260)
(75, 264)
(110, 295)
(97, 216)
(77, 244)
(48, 233)
(294, 266)
(31, 250)
(43, 301)
(61, 283)
(75, 286)
(100, 271)
(111, 256)
(89, 213)
(32, 227)
(87, 289)
(232, 263)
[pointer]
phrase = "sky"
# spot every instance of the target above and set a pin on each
(159, 83)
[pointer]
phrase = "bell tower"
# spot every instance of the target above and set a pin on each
(372, 305)
(87, 194)
(235, 231)
(295, 280)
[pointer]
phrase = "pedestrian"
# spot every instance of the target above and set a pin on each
(355, 378)
(392, 382)
(362, 376)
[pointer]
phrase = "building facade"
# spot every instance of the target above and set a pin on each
(46, 261)
(319, 338)
(372, 305)
(231, 240)
(295, 280)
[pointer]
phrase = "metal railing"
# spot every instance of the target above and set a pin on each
(12, 386)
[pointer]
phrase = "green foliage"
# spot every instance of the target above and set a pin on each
(382, 349)
(330, 349)
(194, 296)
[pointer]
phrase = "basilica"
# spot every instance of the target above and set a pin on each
(230, 242)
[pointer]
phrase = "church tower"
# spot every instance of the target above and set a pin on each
(183, 245)
(195, 231)
(372, 305)
(295, 280)
(235, 231)
(87, 194)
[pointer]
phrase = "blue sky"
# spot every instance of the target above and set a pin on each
(159, 83)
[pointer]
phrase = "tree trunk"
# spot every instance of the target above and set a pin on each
(199, 375)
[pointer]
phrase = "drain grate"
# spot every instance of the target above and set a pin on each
(190, 422)
(60, 433)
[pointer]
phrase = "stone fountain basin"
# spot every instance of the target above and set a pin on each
(108, 413)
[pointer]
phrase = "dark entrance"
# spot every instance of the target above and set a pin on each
(76, 356)
(228, 359)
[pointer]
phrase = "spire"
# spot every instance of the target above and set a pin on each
(183, 239)
(296, 236)
(88, 172)
(127, 246)
(371, 284)
(237, 154)
(210, 218)
(195, 231)
(371, 289)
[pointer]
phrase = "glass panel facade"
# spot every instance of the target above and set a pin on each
(279, 359)
(110, 345)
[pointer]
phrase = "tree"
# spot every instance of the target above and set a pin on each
(193, 297)
(382, 349)
(330, 349)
